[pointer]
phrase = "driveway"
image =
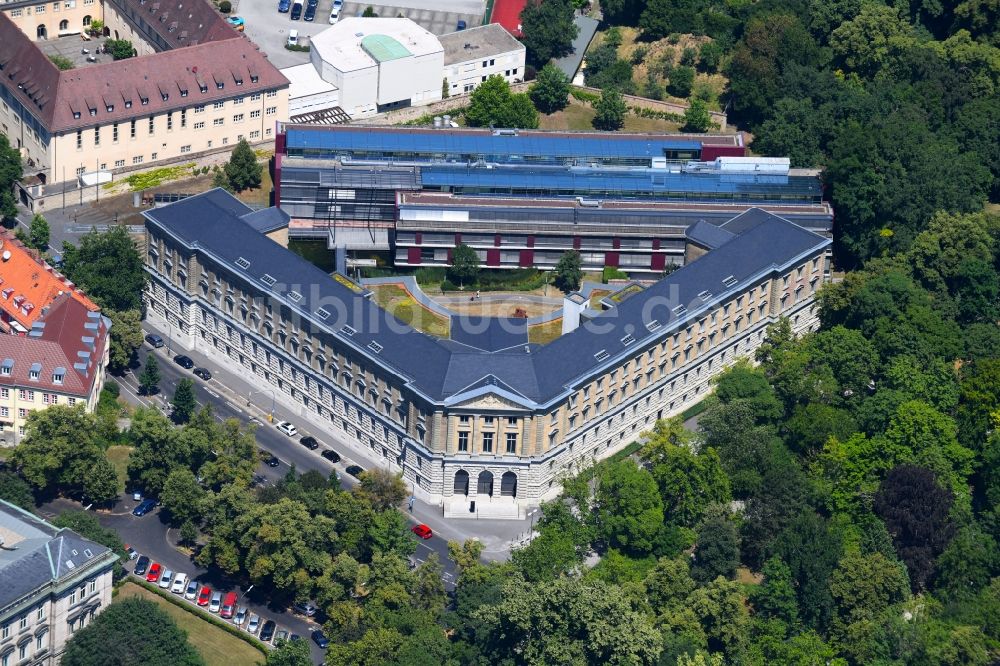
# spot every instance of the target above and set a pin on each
(148, 535)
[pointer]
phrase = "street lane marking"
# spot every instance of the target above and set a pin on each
(211, 393)
(234, 407)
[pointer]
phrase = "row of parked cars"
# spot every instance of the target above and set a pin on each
(295, 9)
(224, 604)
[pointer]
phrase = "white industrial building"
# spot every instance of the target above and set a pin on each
(471, 56)
(366, 66)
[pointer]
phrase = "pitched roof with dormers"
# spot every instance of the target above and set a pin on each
(28, 285)
(225, 67)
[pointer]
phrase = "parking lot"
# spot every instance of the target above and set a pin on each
(269, 28)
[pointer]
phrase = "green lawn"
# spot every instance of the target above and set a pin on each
(579, 116)
(404, 307)
(118, 455)
(545, 333)
(216, 647)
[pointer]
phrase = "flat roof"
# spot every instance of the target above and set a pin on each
(586, 28)
(486, 41)
(305, 81)
(355, 42)
(487, 142)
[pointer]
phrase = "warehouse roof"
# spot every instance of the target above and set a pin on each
(486, 41)
(211, 223)
(354, 43)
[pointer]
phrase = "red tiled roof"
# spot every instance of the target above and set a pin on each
(29, 285)
(55, 97)
(67, 329)
(179, 22)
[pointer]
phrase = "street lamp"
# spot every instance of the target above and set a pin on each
(270, 416)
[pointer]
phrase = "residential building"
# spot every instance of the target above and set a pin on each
(484, 422)
(53, 583)
(196, 86)
(53, 341)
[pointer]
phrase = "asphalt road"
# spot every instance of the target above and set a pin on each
(287, 449)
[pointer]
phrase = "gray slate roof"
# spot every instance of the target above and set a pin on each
(440, 369)
(267, 219)
(707, 235)
(489, 333)
(36, 553)
(586, 29)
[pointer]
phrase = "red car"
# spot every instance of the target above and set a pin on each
(228, 605)
(422, 531)
(204, 596)
(153, 575)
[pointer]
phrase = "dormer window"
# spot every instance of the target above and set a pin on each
(109, 108)
(57, 378)
(254, 78)
(76, 115)
(219, 85)
(144, 100)
(7, 367)
(165, 96)
(203, 87)
(35, 371)
(93, 112)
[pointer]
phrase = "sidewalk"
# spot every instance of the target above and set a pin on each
(497, 536)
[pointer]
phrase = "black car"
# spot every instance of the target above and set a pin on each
(203, 373)
(355, 470)
(320, 639)
(141, 565)
(267, 631)
(309, 442)
(184, 361)
(145, 507)
(310, 13)
(331, 455)
(154, 340)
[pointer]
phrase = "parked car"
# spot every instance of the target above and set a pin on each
(310, 13)
(144, 507)
(180, 582)
(334, 14)
(309, 442)
(288, 428)
(331, 455)
(131, 552)
(320, 639)
(204, 595)
(166, 578)
(216, 603)
(293, 35)
(192, 590)
(267, 631)
(141, 566)
(254, 624)
(272, 461)
(306, 608)
(237, 22)
(355, 470)
(153, 574)
(228, 605)
(241, 616)
(284, 6)
(154, 340)
(460, 25)
(296, 12)
(422, 531)
(136, 495)
(203, 373)
(184, 361)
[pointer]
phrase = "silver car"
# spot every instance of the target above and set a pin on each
(166, 579)
(216, 603)
(241, 616)
(192, 590)
(254, 624)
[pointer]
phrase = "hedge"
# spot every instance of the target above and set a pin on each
(612, 273)
(226, 626)
(521, 279)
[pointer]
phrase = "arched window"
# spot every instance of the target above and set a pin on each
(41, 32)
(64, 25)
(86, 20)
(508, 485)
(461, 482)
(485, 484)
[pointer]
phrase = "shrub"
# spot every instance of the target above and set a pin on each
(612, 273)
(225, 6)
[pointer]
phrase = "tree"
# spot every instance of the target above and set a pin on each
(681, 82)
(863, 586)
(610, 110)
(655, 21)
(131, 631)
(811, 550)
(183, 403)
(243, 172)
(126, 337)
(369, 12)
(149, 378)
(10, 173)
(550, 91)
(38, 233)
(108, 267)
(717, 552)
(629, 511)
(16, 490)
(710, 56)
(225, 6)
(775, 597)
(445, 88)
(182, 497)
(569, 271)
(289, 653)
(548, 29)
(916, 513)
(120, 49)
(863, 44)
(696, 117)
(492, 104)
(464, 264)
(382, 488)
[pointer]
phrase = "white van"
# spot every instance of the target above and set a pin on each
(180, 582)
(293, 36)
